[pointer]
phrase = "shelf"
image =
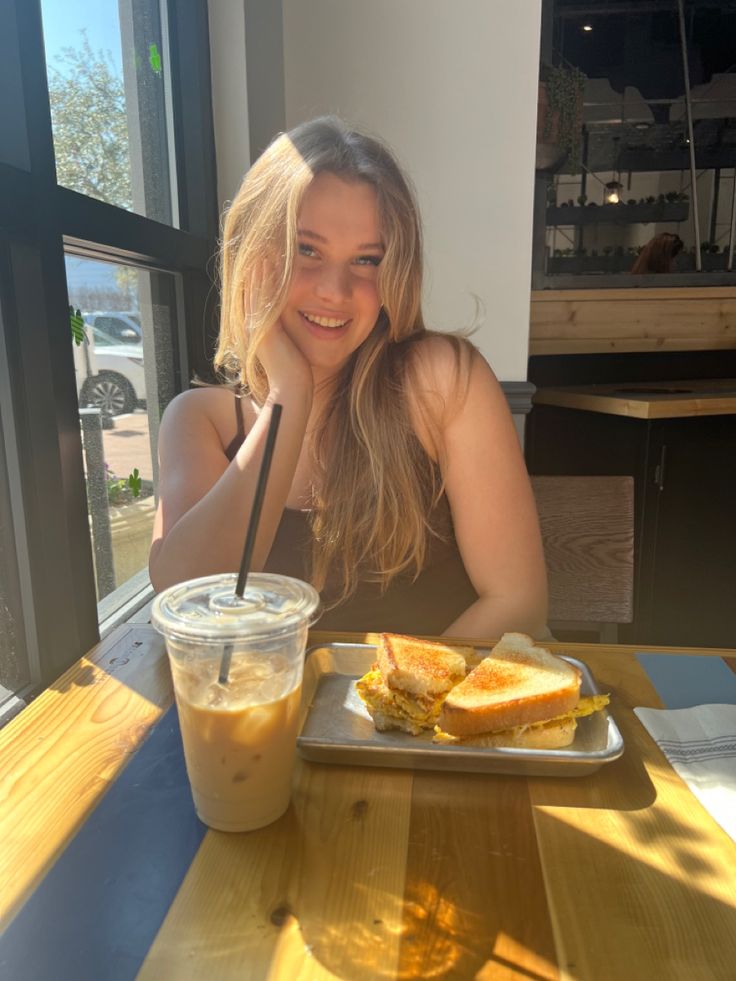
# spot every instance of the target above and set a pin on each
(620, 214)
(579, 264)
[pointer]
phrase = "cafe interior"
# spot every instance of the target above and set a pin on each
(574, 162)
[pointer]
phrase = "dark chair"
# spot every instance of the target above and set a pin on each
(588, 535)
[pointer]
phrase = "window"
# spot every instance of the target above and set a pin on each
(630, 186)
(121, 359)
(14, 660)
(109, 87)
(106, 239)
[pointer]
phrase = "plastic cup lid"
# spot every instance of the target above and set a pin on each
(207, 609)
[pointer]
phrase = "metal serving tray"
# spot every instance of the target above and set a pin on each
(336, 728)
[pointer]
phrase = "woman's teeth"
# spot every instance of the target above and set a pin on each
(324, 321)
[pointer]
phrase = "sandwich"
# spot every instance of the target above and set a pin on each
(409, 681)
(521, 696)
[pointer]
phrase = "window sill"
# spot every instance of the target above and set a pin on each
(130, 603)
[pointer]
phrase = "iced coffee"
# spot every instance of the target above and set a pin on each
(239, 733)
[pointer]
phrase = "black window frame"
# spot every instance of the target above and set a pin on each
(39, 221)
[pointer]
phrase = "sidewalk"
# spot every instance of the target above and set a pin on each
(127, 445)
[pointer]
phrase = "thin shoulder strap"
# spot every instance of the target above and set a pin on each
(237, 441)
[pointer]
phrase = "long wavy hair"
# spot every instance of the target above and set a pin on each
(374, 486)
(658, 255)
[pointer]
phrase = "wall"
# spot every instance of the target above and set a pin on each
(453, 88)
(229, 100)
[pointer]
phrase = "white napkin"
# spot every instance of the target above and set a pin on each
(700, 743)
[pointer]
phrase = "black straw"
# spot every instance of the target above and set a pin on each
(255, 515)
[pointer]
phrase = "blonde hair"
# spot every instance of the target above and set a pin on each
(375, 487)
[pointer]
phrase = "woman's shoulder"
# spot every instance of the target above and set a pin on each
(439, 362)
(438, 369)
(216, 409)
(442, 365)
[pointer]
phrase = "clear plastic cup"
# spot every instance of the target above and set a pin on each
(240, 736)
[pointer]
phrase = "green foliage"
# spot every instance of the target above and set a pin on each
(89, 124)
(154, 59)
(134, 482)
(77, 325)
(117, 489)
(122, 490)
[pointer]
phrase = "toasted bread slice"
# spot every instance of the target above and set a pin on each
(421, 667)
(518, 685)
(545, 735)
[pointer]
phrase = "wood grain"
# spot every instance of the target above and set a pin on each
(638, 407)
(316, 895)
(60, 755)
(587, 526)
(650, 884)
(621, 320)
(474, 903)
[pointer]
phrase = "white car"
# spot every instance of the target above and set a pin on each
(119, 325)
(109, 373)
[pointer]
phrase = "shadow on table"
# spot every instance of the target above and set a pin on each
(132, 654)
(476, 901)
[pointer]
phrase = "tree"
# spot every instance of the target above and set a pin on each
(90, 125)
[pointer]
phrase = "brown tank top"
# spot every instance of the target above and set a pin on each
(427, 604)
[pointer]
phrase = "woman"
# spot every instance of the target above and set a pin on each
(397, 484)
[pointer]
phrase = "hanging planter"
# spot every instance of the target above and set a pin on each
(559, 118)
(618, 214)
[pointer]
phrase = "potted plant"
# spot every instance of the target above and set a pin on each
(559, 117)
(131, 510)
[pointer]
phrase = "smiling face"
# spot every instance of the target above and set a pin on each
(333, 301)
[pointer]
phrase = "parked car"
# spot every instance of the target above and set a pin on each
(109, 373)
(119, 325)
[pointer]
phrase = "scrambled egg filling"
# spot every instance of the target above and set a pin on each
(424, 710)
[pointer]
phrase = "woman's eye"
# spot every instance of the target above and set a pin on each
(369, 260)
(306, 250)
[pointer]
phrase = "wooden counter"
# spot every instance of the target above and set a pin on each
(371, 874)
(643, 400)
(615, 321)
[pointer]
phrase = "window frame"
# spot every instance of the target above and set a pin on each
(39, 220)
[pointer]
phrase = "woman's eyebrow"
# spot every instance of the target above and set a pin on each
(308, 233)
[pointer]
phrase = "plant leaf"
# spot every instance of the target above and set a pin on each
(134, 482)
(77, 325)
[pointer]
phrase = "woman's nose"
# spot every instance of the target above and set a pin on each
(333, 282)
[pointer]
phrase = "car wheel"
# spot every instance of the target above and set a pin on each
(110, 393)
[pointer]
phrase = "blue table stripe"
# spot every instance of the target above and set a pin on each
(98, 909)
(684, 680)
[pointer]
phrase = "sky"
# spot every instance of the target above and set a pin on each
(63, 20)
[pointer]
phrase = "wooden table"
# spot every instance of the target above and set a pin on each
(371, 874)
(647, 400)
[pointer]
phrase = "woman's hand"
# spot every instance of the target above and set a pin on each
(286, 367)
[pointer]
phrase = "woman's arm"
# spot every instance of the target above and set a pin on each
(491, 499)
(204, 499)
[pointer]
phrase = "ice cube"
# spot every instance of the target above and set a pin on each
(216, 695)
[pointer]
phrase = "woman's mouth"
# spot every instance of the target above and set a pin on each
(324, 326)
